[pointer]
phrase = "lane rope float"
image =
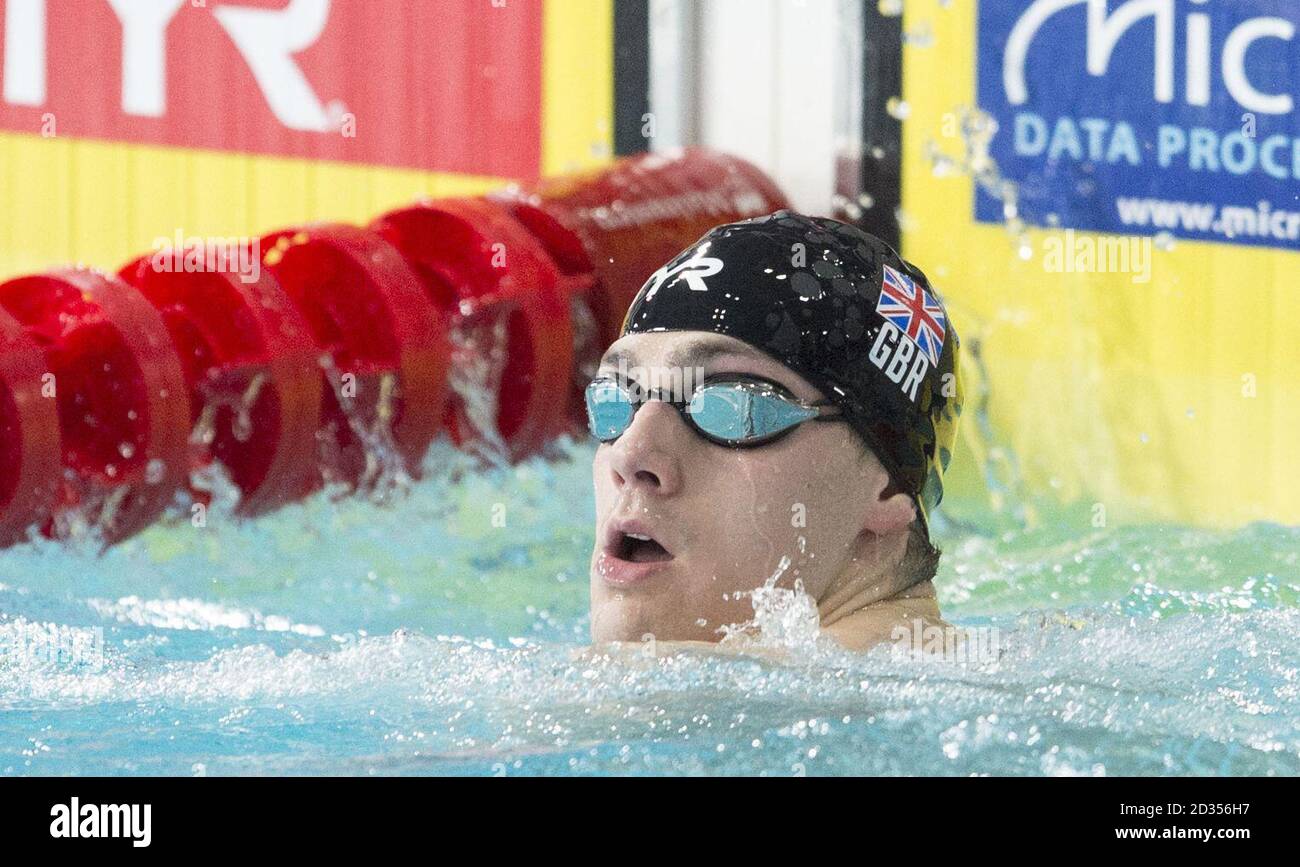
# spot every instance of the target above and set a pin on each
(251, 371)
(29, 434)
(122, 403)
(510, 319)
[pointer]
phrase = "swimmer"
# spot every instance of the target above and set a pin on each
(782, 401)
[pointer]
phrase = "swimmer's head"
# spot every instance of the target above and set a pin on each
(813, 452)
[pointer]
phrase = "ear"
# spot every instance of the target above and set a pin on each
(889, 513)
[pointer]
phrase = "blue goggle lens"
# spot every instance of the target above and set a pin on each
(609, 410)
(721, 412)
(771, 414)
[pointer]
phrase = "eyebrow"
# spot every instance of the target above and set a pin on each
(699, 352)
(696, 352)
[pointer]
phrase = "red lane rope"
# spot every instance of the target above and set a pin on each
(344, 353)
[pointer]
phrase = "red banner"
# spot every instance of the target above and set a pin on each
(440, 85)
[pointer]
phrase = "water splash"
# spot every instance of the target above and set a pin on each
(384, 473)
(920, 36)
(977, 128)
(478, 362)
(194, 614)
(587, 348)
(784, 618)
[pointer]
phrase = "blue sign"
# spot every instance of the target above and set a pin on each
(1143, 117)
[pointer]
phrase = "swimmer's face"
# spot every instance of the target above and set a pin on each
(722, 519)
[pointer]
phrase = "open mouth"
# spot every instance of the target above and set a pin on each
(634, 541)
(639, 548)
(631, 554)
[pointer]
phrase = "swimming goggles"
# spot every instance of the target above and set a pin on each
(736, 411)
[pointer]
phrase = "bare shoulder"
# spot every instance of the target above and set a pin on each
(892, 620)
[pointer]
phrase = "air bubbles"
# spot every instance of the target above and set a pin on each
(241, 427)
(941, 165)
(898, 108)
(844, 205)
(919, 37)
(155, 471)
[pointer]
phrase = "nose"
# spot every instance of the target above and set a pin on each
(647, 455)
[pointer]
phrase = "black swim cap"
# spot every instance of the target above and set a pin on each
(844, 311)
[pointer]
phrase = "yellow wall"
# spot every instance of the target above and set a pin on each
(1128, 395)
(102, 203)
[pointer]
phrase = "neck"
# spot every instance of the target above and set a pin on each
(869, 577)
(869, 597)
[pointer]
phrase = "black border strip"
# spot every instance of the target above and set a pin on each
(631, 75)
(882, 72)
(329, 815)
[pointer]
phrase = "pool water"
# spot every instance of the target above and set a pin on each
(441, 633)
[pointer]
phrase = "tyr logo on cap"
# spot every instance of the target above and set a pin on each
(693, 271)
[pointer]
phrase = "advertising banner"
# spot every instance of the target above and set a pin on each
(1078, 174)
(1147, 116)
(453, 86)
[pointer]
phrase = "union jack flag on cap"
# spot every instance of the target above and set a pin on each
(914, 311)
